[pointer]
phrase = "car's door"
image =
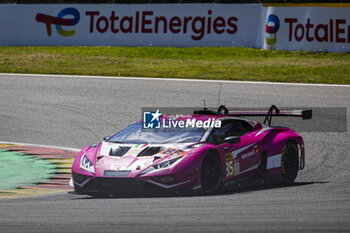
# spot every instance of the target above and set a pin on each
(243, 157)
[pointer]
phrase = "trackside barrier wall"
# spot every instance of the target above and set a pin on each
(308, 28)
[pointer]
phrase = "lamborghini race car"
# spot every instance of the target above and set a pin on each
(228, 151)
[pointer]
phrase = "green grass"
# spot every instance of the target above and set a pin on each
(222, 63)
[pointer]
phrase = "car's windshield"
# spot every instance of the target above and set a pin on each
(134, 134)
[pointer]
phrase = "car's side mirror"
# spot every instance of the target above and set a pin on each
(232, 140)
(105, 138)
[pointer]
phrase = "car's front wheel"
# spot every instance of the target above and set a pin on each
(211, 173)
(290, 162)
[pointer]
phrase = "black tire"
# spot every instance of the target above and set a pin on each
(289, 162)
(211, 173)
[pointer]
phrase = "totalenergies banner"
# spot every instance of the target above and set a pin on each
(130, 25)
(307, 28)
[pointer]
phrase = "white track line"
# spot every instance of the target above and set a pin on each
(176, 79)
(43, 146)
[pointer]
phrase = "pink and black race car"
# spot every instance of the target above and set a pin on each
(228, 153)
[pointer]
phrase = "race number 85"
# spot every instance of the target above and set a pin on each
(229, 168)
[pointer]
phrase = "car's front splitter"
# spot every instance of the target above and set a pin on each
(125, 185)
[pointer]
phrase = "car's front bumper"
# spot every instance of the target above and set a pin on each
(125, 185)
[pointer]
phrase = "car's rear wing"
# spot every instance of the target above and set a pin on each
(272, 112)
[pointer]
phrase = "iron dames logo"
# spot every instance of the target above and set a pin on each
(272, 26)
(59, 21)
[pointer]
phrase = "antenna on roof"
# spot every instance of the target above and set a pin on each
(219, 95)
(205, 107)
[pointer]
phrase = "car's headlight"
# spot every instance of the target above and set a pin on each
(166, 164)
(87, 164)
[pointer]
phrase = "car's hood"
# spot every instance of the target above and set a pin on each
(117, 159)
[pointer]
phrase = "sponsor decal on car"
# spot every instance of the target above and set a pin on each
(116, 173)
(236, 167)
(173, 152)
(248, 154)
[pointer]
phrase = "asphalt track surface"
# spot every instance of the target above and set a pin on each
(73, 112)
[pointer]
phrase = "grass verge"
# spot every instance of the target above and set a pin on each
(223, 63)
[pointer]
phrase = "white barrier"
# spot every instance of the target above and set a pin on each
(130, 25)
(177, 25)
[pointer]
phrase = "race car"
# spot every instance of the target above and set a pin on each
(219, 150)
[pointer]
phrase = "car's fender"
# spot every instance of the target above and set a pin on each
(190, 165)
(273, 142)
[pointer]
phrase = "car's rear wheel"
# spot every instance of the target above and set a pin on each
(290, 162)
(211, 173)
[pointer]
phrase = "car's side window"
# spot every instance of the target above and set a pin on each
(245, 126)
(228, 128)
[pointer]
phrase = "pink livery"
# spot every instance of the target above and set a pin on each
(233, 152)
